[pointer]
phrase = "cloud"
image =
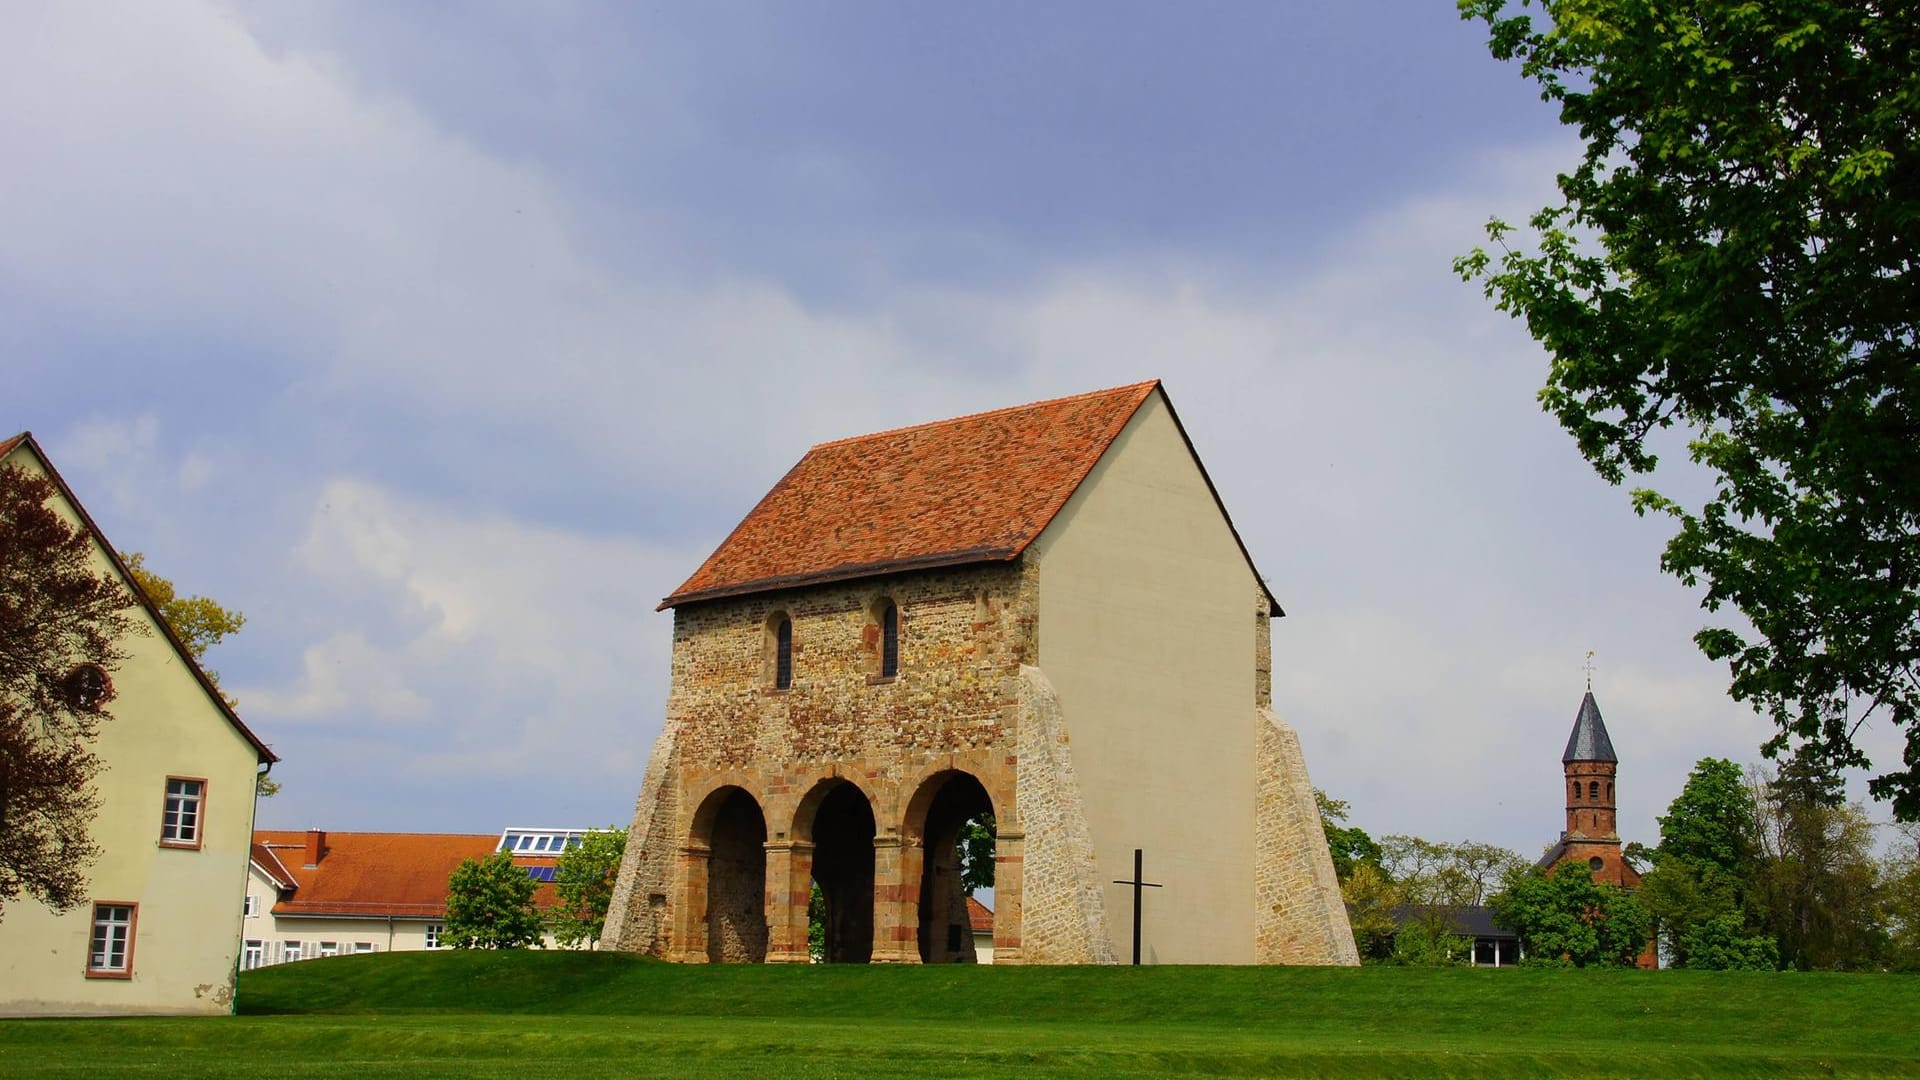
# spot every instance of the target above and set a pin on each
(448, 448)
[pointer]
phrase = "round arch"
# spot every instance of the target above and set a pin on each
(835, 823)
(940, 808)
(727, 888)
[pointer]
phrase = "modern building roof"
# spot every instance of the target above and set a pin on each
(973, 489)
(1589, 741)
(26, 438)
(374, 875)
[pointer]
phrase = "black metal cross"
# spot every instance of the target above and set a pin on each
(1139, 882)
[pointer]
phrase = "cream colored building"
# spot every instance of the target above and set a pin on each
(161, 933)
(317, 893)
(1043, 613)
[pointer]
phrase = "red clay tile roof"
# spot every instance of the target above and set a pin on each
(380, 874)
(166, 629)
(980, 915)
(976, 488)
(269, 863)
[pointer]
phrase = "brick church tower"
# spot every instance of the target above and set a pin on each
(1592, 835)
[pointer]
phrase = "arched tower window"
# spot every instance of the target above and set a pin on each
(1576, 791)
(782, 633)
(889, 639)
(1593, 790)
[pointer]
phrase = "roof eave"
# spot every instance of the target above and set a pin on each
(847, 572)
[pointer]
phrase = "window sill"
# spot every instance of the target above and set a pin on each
(92, 974)
(181, 845)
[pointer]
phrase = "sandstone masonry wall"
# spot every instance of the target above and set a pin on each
(1299, 916)
(1064, 913)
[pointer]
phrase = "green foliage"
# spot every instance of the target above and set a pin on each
(1350, 846)
(1819, 885)
(1565, 918)
(976, 853)
(1371, 897)
(1735, 256)
(1443, 875)
(62, 625)
(1902, 898)
(817, 925)
(1700, 892)
(1723, 943)
(1432, 941)
(490, 905)
(200, 622)
(583, 880)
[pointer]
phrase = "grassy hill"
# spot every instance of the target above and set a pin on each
(590, 1014)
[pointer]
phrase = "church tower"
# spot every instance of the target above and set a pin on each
(1590, 770)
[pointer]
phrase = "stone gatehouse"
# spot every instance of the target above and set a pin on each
(1042, 613)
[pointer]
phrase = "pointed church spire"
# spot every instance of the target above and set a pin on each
(1589, 740)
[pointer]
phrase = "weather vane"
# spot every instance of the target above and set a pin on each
(1588, 667)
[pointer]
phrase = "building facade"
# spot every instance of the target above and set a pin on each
(317, 893)
(161, 933)
(1040, 613)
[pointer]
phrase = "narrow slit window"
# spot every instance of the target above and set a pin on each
(783, 654)
(889, 639)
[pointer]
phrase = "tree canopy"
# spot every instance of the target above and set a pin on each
(1701, 891)
(583, 880)
(61, 628)
(1564, 917)
(1737, 256)
(490, 905)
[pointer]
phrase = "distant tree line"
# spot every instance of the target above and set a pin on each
(1756, 871)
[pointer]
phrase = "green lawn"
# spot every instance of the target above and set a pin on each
(588, 1014)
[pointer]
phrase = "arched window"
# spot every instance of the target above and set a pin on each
(1593, 790)
(1576, 791)
(782, 652)
(889, 639)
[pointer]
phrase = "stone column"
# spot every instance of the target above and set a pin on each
(690, 906)
(1009, 867)
(896, 909)
(789, 887)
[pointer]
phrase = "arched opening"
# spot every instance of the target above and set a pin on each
(839, 821)
(734, 832)
(1593, 790)
(956, 827)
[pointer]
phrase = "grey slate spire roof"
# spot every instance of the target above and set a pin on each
(1589, 740)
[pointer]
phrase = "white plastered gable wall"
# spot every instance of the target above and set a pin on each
(1148, 634)
(187, 931)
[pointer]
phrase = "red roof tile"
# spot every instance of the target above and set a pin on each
(976, 488)
(980, 915)
(379, 874)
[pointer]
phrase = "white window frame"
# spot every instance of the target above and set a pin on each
(183, 812)
(360, 948)
(253, 954)
(329, 948)
(250, 908)
(434, 930)
(292, 951)
(110, 947)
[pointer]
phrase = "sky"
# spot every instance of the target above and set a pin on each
(444, 340)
